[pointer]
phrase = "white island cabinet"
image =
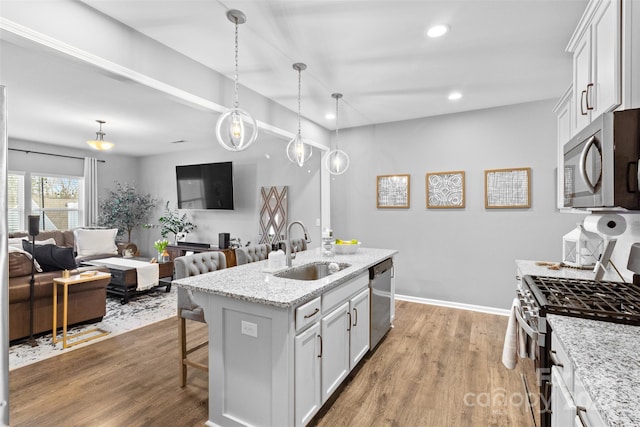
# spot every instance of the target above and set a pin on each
(278, 348)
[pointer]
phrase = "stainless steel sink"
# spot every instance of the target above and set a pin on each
(313, 271)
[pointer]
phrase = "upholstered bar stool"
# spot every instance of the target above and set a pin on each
(187, 266)
(298, 245)
(252, 253)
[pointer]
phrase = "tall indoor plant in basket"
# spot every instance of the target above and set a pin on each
(123, 208)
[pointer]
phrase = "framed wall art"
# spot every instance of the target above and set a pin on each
(507, 188)
(445, 190)
(393, 191)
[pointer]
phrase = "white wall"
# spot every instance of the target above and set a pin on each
(115, 168)
(461, 255)
(252, 170)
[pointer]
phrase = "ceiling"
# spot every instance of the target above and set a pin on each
(373, 51)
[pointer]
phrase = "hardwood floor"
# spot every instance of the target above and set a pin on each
(437, 367)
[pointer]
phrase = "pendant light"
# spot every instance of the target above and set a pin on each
(297, 151)
(337, 161)
(236, 130)
(99, 143)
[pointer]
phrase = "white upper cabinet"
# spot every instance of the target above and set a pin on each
(564, 113)
(596, 48)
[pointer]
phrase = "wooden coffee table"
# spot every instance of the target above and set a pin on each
(124, 280)
(65, 282)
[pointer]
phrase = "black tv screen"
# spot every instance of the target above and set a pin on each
(205, 186)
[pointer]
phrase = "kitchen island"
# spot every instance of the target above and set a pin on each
(278, 347)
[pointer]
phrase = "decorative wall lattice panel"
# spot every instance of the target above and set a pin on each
(273, 213)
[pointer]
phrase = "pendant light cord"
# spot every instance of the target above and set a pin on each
(236, 103)
(337, 127)
(299, 103)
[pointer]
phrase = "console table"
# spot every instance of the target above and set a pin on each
(178, 250)
(65, 282)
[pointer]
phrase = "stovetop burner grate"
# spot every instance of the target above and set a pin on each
(599, 300)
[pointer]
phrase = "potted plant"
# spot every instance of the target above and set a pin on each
(123, 208)
(172, 222)
(161, 247)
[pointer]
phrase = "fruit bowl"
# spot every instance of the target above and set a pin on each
(346, 247)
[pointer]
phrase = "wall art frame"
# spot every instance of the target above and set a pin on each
(507, 188)
(393, 191)
(445, 190)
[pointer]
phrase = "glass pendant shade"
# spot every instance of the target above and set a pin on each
(337, 162)
(297, 151)
(99, 143)
(236, 129)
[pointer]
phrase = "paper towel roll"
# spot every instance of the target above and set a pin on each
(606, 225)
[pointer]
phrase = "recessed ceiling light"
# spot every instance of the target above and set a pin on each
(437, 31)
(454, 95)
(329, 116)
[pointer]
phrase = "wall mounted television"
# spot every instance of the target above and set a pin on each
(205, 186)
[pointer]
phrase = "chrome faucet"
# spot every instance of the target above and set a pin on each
(288, 253)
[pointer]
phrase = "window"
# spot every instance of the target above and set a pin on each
(57, 200)
(15, 198)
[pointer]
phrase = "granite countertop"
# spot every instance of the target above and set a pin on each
(530, 268)
(250, 282)
(606, 357)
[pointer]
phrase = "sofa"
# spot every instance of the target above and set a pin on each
(87, 302)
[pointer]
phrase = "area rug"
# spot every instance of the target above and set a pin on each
(140, 311)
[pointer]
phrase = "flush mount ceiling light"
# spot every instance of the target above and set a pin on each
(454, 95)
(99, 143)
(437, 31)
(297, 151)
(236, 130)
(337, 161)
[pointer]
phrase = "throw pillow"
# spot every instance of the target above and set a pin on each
(52, 257)
(95, 242)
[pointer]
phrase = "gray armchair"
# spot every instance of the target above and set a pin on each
(188, 266)
(252, 253)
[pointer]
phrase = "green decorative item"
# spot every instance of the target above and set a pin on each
(172, 222)
(125, 209)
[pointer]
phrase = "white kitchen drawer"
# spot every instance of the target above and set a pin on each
(343, 292)
(563, 364)
(308, 313)
(586, 409)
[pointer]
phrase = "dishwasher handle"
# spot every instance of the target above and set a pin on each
(380, 268)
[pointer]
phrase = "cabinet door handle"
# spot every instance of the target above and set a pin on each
(349, 327)
(320, 336)
(355, 311)
(589, 86)
(579, 411)
(554, 359)
(582, 94)
(306, 316)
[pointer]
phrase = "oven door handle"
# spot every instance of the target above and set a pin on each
(525, 326)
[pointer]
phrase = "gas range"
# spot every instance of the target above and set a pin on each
(597, 300)
(590, 299)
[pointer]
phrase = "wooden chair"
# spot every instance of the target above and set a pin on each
(252, 253)
(187, 266)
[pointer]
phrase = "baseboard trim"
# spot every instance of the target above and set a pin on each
(451, 304)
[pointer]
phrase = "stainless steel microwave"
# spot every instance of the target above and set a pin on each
(601, 163)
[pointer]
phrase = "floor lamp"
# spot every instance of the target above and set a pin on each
(34, 230)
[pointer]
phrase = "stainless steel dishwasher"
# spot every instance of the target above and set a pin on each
(380, 284)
